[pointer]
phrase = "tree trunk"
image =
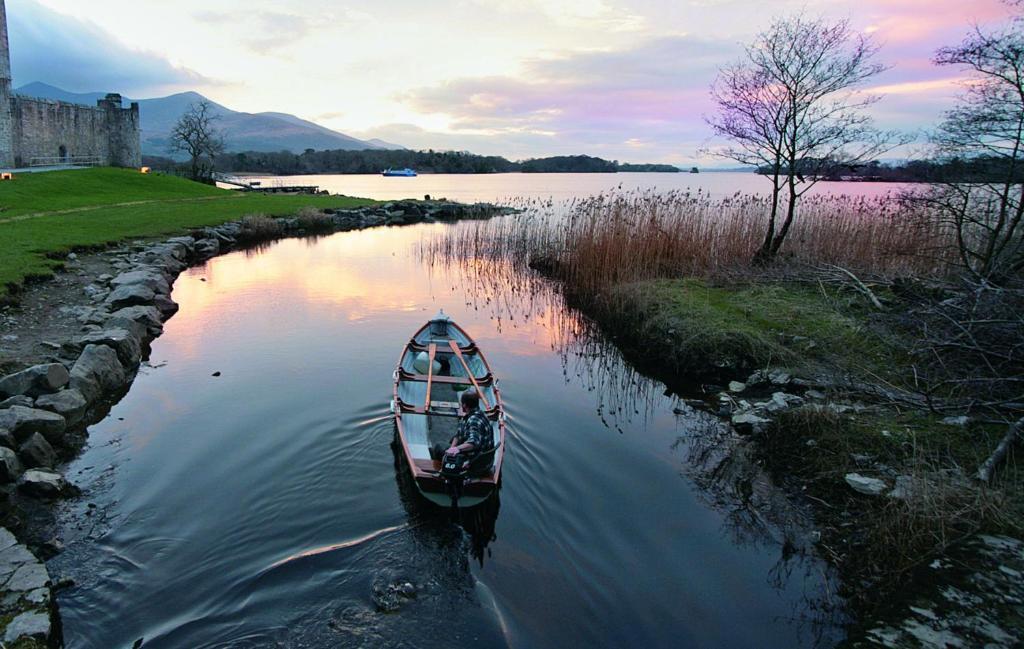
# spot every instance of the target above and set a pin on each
(763, 255)
(780, 238)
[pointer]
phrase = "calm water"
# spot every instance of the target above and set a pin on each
(201, 493)
(497, 187)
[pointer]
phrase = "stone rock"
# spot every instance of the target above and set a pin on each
(779, 377)
(69, 404)
(7, 439)
(207, 248)
(30, 624)
(814, 394)
(18, 400)
(904, 487)
(865, 485)
(22, 422)
(30, 576)
(782, 401)
(736, 386)
(10, 466)
(35, 380)
(756, 378)
(42, 484)
(130, 295)
(37, 452)
(124, 342)
(97, 371)
(165, 305)
(147, 316)
(151, 279)
(748, 422)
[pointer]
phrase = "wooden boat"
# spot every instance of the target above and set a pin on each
(437, 364)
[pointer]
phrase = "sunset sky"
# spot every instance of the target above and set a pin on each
(521, 78)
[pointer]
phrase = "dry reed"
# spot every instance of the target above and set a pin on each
(609, 239)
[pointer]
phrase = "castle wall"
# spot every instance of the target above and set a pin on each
(45, 130)
(42, 131)
(6, 124)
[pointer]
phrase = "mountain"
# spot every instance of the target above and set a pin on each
(243, 131)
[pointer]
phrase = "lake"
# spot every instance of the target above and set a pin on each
(500, 187)
(265, 506)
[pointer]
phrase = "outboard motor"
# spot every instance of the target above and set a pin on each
(454, 471)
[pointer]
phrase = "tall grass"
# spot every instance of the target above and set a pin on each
(609, 239)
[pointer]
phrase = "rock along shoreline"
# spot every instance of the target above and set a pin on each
(67, 384)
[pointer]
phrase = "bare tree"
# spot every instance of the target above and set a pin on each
(793, 107)
(985, 131)
(196, 134)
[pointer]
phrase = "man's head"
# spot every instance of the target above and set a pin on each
(470, 400)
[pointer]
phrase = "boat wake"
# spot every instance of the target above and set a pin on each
(340, 546)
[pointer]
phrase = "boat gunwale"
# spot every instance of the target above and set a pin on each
(401, 407)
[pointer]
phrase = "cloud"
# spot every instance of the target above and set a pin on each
(649, 98)
(76, 55)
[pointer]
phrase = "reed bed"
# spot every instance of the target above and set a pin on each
(610, 239)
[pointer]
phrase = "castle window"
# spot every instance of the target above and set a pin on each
(62, 153)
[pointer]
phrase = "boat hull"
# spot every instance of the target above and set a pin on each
(432, 371)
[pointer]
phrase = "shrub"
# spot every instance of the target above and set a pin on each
(259, 227)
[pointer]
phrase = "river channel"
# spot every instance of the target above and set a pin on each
(263, 507)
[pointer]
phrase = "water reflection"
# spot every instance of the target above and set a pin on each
(265, 507)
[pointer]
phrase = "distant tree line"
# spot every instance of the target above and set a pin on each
(373, 161)
(980, 169)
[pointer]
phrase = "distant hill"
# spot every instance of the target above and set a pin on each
(264, 132)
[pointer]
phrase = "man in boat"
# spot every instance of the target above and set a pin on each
(475, 434)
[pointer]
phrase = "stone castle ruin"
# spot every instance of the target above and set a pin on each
(43, 132)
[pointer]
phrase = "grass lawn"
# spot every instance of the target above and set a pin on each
(47, 214)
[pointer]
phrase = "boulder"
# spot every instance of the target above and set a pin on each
(31, 624)
(165, 305)
(69, 404)
(19, 400)
(129, 295)
(22, 422)
(42, 484)
(37, 452)
(97, 371)
(207, 248)
(736, 386)
(151, 279)
(865, 485)
(124, 342)
(35, 380)
(28, 577)
(188, 244)
(748, 422)
(147, 316)
(10, 466)
(7, 439)
(779, 377)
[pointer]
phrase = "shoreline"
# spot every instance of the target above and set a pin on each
(780, 415)
(953, 599)
(65, 370)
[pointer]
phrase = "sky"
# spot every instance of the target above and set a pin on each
(625, 80)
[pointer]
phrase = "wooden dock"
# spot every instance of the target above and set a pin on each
(276, 186)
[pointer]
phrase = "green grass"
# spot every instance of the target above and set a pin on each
(754, 325)
(49, 214)
(63, 190)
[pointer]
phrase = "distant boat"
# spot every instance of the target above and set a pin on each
(398, 172)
